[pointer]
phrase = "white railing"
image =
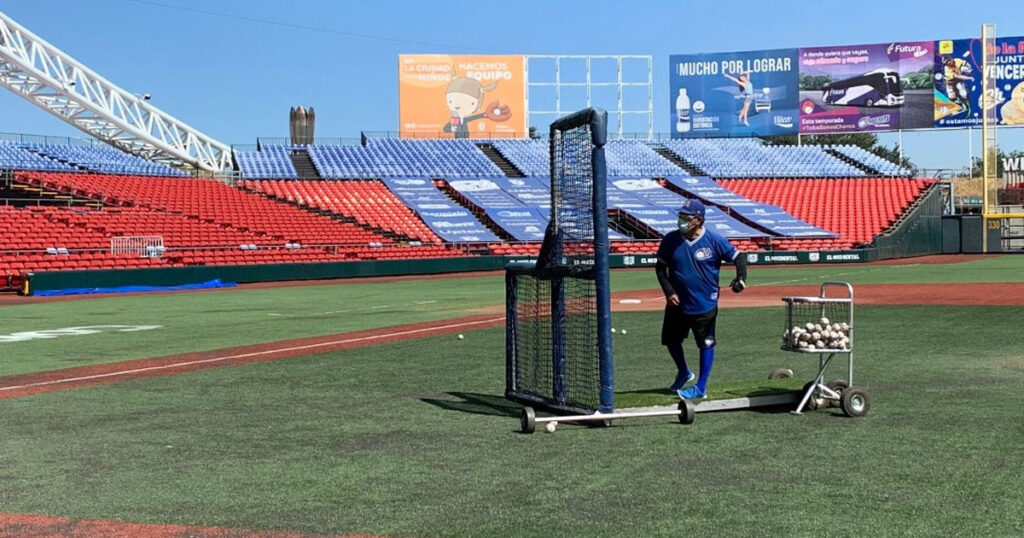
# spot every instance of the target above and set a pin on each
(146, 246)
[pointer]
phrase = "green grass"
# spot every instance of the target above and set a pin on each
(717, 391)
(204, 321)
(414, 439)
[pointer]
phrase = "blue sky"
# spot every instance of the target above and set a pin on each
(235, 78)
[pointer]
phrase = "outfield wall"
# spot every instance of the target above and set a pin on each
(176, 276)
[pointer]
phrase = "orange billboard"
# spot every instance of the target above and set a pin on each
(442, 95)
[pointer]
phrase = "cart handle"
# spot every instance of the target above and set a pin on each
(847, 285)
(817, 300)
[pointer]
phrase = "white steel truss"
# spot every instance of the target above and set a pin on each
(47, 77)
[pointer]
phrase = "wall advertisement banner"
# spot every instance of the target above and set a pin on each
(734, 93)
(462, 96)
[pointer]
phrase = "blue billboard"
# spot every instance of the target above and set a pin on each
(958, 82)
(754, 93)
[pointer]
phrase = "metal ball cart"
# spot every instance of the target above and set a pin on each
(823, 325)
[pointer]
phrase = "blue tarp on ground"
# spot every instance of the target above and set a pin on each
(656, 206)
(522, 221)
(535, 193)
(449, 221)
(769, 216)
(130, 289)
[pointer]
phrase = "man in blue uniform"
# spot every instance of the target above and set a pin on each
(688, 262)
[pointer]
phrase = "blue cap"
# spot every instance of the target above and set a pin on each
(691, 206)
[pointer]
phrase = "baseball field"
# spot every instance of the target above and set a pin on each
(353, 408)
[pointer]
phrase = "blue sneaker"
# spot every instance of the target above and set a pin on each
(679, 383)
(692, 393)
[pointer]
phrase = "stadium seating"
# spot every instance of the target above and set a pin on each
(529, 156)
(857, 210)
(634, 158)
(217, 202)
(723, 158)
(367, 201)
(269, 162)
(102, 158)
(397, 158)
(276, 220)
(14, 157)
(863, 156)
(624, 158)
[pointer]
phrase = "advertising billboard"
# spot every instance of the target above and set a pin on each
(958, 82)
(734, 93)
(880, 87)
(461, 96)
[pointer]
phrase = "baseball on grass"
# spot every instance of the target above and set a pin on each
(623, 331)
(461, 337)
(550, 427)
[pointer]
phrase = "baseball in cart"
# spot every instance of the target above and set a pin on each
(824, 326)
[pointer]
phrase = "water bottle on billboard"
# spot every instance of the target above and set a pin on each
(682, 112)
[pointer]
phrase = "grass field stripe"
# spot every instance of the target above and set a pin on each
(253, 354)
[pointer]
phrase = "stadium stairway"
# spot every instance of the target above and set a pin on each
(690, 168)
(303, 164)
(498, 159)
(853, 162)
(24, 193)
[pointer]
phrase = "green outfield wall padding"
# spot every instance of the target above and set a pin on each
(970, 234)
(918, 234)
(951, 234)
(175, 276)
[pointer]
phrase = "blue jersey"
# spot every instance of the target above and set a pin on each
(693, 267)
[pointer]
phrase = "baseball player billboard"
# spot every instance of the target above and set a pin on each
(958, 82)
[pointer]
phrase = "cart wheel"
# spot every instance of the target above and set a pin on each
(815, 402)
(855, 402)
(838, 385)
(528, 420)
(687, 412)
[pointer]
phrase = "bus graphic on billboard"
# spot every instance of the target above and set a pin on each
(880, 87)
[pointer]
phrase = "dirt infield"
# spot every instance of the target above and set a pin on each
(34, 526)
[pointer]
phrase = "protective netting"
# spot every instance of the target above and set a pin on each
(572, 190)
(554, 342)
(814, 325)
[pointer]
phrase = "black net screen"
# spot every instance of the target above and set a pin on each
(553, 340)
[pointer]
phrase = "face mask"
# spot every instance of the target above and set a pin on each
(686, 224)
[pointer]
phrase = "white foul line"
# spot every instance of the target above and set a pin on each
(253, 354)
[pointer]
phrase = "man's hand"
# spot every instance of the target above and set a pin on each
(737, 285)
(673, 300)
